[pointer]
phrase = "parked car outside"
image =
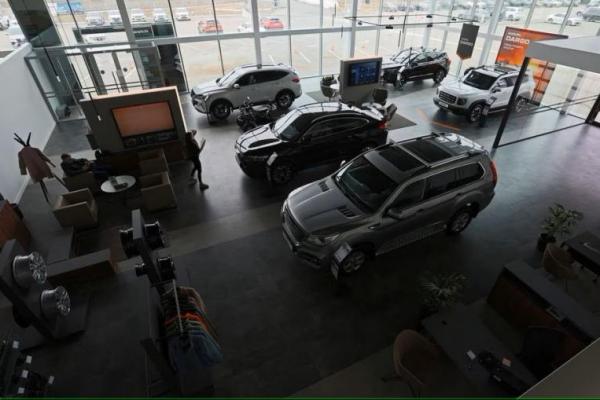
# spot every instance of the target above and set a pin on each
(114, 17)
(271, 23)
(261, 83)
(182, 14)
(308, 136)
(560, 17)
(94, 18)
(137, 15)
(245, 27)
(94, 38)
(469, 94)
(551, 3)
(415, 64)
(512, 14)
(210, 26)
(387, 198)
(15, 34)
(591, 14)
(159, 15)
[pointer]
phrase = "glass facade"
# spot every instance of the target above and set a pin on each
(116, 45)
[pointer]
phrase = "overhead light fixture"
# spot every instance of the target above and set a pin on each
(55, 303)
(29, 269)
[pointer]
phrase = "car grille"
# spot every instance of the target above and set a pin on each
(448, 98)
(297, 232)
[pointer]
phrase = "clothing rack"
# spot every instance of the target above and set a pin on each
(16, 377)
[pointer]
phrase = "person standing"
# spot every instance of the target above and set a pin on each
(194, 149)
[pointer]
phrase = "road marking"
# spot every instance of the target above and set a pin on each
(434, 122)
(272, 59)
(303, 56)
(335, 55)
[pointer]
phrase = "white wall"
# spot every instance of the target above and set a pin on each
(22, 110)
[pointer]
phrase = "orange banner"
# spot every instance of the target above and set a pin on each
(512, 52)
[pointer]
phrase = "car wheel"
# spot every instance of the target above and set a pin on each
(475, 113)
(282, 173)
(439, 76)
(354, 261)
(400, 82)
(520, 104)
(220, 110)
(459, 221)
(284, 99)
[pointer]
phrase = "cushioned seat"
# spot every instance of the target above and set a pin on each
(85, 180)
(152, 162)
(77, 209)
(157, 192)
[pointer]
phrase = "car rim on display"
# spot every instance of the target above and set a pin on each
(284, 100)
(354, 262)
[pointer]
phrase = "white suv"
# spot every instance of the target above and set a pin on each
(469, 94)
(262, 84)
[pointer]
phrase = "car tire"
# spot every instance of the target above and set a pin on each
(220, 110)
(459, 221)
(400, 82)
(439, 76)
(520, 104)
(353, 261)
(282, 173)
(475, 112)
(284, 99)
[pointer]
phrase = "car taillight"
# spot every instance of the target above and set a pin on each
(295, 79)
(382, 124)
(494, 172)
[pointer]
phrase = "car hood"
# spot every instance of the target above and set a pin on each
(257, 139)
(458, 88)
(389, 63)
(206, 88)
(320, 207)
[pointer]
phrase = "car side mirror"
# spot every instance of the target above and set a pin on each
(342, 163)
(394, 212)
(236, 85)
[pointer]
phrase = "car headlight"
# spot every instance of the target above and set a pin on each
(321, 240)
(461, 102)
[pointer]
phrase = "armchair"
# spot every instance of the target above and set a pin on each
(152, 162)
(157, 192)
(85, 180)
(77, 209)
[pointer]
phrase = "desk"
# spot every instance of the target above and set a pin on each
(585, 248)
(459, 330)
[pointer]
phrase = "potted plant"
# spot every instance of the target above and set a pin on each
(558, 224)
(441, 290)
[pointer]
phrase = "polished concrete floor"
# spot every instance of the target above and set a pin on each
(284, 326)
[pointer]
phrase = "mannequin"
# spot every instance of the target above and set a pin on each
(34, 162)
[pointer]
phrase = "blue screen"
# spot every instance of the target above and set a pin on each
(364, 73)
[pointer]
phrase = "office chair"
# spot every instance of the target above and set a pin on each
(540, 349)
(415, 361)
(380, 95)
(326, 88)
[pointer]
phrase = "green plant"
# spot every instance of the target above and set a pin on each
(561, 221)
(442, 289)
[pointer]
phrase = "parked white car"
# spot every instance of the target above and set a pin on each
(4, 22)
(551, 3)
(469, 94)
(159, 15)
(512, 14)
(114, 17)
(94, 18)
(15, 34)
(182, 14)
(560, 17)
(137, 15)
(94, 38)
(245, 27)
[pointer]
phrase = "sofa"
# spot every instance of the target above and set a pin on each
(77, 209)
(152, 162)
(157, 192)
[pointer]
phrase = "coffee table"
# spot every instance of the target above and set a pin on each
(128, 182)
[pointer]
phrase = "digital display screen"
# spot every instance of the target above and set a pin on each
(143, 118)
(364, 73)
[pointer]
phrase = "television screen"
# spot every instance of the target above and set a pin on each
(364, 73)
(143, 118)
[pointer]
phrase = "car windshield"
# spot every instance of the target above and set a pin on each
(228, 79)
(402, 55)
(364, 184)
(479, 80)
(292, 125)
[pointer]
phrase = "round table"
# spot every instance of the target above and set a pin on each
(127, 180)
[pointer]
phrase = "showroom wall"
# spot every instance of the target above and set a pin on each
(22, 110)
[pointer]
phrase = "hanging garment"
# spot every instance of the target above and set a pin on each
(204, 352)
(34, 162)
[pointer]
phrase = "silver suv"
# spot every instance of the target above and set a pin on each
(261, 83)
(469, 94)
(389, 197)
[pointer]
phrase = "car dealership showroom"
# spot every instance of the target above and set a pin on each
(189, 206)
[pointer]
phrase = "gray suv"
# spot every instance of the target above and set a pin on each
(389, 197)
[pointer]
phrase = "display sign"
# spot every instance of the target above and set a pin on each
(513, 49)
(466, 43)
(364, 73)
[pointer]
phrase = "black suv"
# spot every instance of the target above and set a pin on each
(415, 64)
(310, 135)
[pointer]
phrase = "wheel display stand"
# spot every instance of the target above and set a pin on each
(33, 327)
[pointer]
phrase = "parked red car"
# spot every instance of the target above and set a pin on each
(209, 26)
(271, 23)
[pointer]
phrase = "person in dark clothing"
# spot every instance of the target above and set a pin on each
(194, 149)
(76, 166)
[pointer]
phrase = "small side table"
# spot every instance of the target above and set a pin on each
(128, 182)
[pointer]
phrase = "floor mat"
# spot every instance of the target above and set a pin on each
(399, 121)
(318, 96)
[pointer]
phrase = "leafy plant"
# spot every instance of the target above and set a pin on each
(561, 221)
(441, 290)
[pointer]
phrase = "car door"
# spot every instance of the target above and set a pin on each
(314, 146)
(242, 89)
(350, 138)
(441, 194)
(400, 220)
(268, 84)
(501, 91)
(417, 67)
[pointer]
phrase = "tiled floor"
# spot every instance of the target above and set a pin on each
(281, 323)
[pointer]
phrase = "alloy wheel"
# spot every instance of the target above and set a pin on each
(460, 222)
(354, 261)
(282, 174)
